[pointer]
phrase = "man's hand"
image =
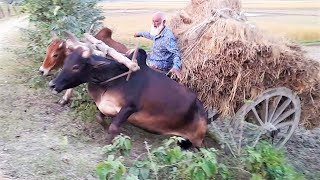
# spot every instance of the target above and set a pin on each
(136, 35)
(177, 72)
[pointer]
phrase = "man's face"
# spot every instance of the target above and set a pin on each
(157, 25)
(157, 21)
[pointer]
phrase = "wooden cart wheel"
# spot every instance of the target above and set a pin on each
(274, 114)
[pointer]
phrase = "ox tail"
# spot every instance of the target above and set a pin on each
(203, 113)
(210, 117)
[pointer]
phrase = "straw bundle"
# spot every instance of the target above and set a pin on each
(228, 60)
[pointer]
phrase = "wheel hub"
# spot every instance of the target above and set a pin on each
(269, 127)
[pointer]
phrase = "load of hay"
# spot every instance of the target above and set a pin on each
(227, 60)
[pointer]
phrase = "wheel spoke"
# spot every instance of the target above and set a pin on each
(277, 101)
(265, 110)
(284, 124)
(281, 109)
(257, 115)
(284, 116)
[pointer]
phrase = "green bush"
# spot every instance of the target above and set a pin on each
(168, 161)
(75, 16)
(264, 162)
(165, 162)
(82, 104)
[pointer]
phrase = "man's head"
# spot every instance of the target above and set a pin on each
(158, 23)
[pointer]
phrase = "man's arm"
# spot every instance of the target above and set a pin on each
(144, 34)
(173, 48)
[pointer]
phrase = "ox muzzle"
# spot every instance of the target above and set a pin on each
(52, 86)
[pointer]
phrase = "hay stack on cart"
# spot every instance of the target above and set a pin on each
(230, 61)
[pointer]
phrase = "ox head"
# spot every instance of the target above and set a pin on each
(76, 69)
(56, 53)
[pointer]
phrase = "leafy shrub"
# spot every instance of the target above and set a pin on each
(264, 162)
(165, 162)
(82, 104)
(168, 161)
(75, 16)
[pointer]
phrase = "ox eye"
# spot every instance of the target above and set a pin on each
(55, 56)
(75, 68)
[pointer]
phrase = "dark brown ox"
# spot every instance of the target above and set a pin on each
(56, 54)
(149, 100)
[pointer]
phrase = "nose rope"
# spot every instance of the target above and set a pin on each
(116, 77)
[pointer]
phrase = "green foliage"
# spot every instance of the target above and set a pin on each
(82, 104)
(120, 143)
(59, 15)
(75, 16)
(267, 163)
(111, 168)
(168, 161)
(165, 162)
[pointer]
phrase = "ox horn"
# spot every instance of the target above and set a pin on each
(54, 35)
(91, 28)
(71, 36)
(73, 42)
(87, 52)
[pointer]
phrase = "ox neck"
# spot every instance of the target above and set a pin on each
(101, 75)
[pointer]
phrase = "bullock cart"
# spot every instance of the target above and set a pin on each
(246, 73)
(274, 114)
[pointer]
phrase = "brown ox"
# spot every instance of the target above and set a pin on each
(56, 55)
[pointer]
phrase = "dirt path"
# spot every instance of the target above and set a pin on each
(38, 139)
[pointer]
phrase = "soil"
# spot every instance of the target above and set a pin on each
(39, 139)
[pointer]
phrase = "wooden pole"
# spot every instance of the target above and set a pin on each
(133, 66)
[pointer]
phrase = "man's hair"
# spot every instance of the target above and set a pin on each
(161, 14)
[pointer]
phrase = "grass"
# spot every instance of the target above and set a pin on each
(164, 6)
(311, 43)
(284, 4)
(128, 18)
(296, 28)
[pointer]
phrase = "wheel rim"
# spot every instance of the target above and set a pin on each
(275, 113)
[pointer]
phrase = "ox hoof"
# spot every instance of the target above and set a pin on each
(109, 140)
(63, 102)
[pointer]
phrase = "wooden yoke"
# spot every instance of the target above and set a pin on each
(132, 65)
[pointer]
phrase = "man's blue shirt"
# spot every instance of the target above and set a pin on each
(165, 53)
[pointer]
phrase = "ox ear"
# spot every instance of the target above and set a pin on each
(71, 36)
(97, 64)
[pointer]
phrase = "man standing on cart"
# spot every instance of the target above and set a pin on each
(165, 55)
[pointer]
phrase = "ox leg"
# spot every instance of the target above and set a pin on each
(100, 118)
(119, 119)
(66, 98)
